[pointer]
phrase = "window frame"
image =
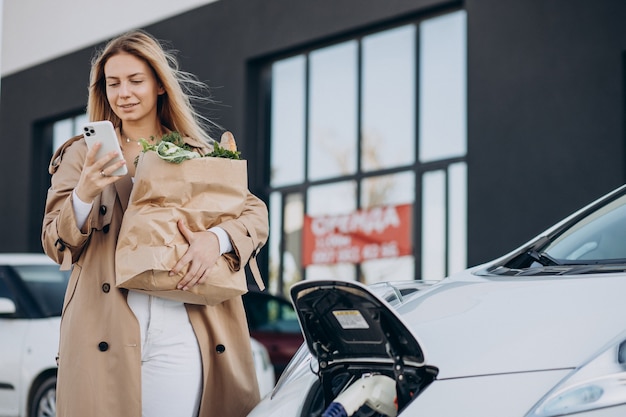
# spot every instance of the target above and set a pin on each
(418, 167)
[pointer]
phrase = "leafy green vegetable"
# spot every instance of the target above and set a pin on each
(220, 152)
(173, 148)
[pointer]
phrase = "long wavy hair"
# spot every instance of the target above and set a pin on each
(175, 108)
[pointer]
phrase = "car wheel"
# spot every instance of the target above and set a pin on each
(44, 402)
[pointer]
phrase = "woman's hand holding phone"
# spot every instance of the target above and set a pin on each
(104, 163)
(104, 133)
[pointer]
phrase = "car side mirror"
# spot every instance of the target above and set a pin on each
(7, 306)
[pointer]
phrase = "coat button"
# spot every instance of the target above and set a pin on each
(220, 348)
(103, 346)
(103, 210)
(106, 287)
(105, 229)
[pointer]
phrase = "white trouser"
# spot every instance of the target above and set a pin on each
(171, 366)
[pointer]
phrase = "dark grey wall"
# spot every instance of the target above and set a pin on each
(546, 125)
(28, 98)
(545, 100)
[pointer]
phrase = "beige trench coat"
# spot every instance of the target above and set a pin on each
(99, 354)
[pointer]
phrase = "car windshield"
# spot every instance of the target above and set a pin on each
(592, 242)
(597, 238)
(47, 285)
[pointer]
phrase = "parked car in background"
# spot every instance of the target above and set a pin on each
(540, 332)
(264, 368)
(32, 289)
(273, 322)
(31, 297)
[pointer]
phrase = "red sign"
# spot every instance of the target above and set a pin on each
(374, 233)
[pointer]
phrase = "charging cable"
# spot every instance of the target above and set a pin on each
(378, 392)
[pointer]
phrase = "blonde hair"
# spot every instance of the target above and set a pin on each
(174, 108)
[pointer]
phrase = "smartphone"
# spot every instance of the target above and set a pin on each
(104, 133)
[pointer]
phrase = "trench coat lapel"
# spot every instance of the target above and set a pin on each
(123, 187)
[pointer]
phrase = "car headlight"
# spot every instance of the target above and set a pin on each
(599, 383)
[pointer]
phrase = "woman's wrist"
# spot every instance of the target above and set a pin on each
(223, 238)
(82, 197)
(81, 209)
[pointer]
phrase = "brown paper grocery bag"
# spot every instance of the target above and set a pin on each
(202, 192)
(221, 284)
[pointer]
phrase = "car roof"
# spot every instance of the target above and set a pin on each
(25, 259)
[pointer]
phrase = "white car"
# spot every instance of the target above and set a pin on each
(31, 297)
(265, 373)
(540, 332)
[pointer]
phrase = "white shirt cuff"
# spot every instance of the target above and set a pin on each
(81, 210)
(222, 236)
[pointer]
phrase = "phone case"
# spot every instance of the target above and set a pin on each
(104, 133)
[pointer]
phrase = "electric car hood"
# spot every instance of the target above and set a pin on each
(480, 325)
(468, 325)
(344, 322)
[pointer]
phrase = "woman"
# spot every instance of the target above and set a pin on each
(124, 353)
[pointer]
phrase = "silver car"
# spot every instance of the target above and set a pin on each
(540, 332)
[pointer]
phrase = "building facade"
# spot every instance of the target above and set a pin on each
(391, 139)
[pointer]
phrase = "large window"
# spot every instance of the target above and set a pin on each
(66, 128)
(372, 121)
(367, 123)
